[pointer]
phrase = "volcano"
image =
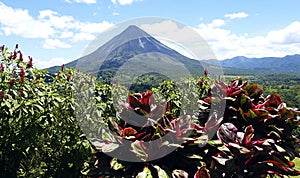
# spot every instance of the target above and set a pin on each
(135, 43)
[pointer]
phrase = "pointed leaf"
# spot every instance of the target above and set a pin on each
(115, 164)
(146, 173)
(129, 131)
(138, 149)
(249, 133)
(251, 114)
(109, 147)
(202, 173)
(133, 101)
(161, 172)
(179, 173)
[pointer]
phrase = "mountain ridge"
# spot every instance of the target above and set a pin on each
(288, 64)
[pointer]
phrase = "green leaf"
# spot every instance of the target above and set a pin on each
(243, 99)
(145, 174)
(39, 107)
(115, 164)
(230, 98)
(220, 160)
(279, 148)
(7, 103)
(240, 148)
(56, 104)
(161, 172)
(215, 142)
(139, 150)
(202, 140)
(193, 156)
(109, 147)
(251, 114)
(286, 113)
(59, 99)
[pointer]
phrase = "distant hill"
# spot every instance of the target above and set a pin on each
(289, 64)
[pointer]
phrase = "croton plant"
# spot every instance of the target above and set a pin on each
(254, 137)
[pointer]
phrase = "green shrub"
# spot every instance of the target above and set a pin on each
(39, 135)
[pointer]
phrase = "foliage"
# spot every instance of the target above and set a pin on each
(286, 85)
(255, 136)
(39, 135)
(42, 118)
(267, 141)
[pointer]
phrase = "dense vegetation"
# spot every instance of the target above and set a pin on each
(40, 135)
(286, 85)
(38, 132)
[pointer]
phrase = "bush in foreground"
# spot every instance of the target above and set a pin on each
(255, 137)
(39, 135)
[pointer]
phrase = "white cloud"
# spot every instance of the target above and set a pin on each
(179, 48)
(42, 64)
(215, 23)
(76, 30)
(124, 2)
(82, 37)
(115, 13)
(212, 32)
(55, 20)
(227, 44)
(82, 1)
(288, 35)
(66, 34)
(89, 27)
(48, 25)
(184, 36)
(55, 43)
(19, 22)
(238, 15)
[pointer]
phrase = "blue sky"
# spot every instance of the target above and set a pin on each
(57, 31)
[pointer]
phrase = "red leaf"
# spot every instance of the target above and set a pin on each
(142, 101)
(68, 77)
(227, 133)
(129, 131)
(22, 92)
(2, 67)
(29, 64)
(14, 55)
(205, 72)
(146, 97)
(249, 133)
(273, 100)
(11, 81)
(22, 75)
(202, 173)
(20, 56)
(133, 101)
(2, 93)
